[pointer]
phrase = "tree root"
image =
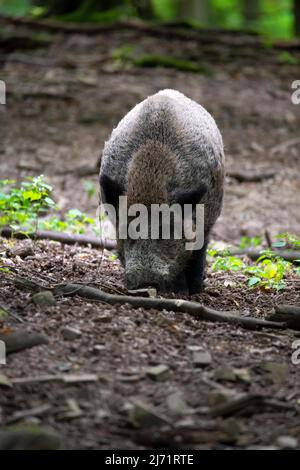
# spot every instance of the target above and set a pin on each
(68, 239)
(199, 311)
(289, 255)
(290, 314)
(229, 38)
(251, 176)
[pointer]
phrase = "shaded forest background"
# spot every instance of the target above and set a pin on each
(272, 18)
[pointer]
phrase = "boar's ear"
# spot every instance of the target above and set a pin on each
(110, 190)
(189, 196)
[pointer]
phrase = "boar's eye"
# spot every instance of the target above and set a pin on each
(189, 196)
(110, 190)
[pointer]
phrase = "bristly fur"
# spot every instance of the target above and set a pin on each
(166, 145)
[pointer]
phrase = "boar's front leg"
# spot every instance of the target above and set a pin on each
(179, 285)
(195, 270)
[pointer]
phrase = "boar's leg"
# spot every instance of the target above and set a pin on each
(195, 270)
(179, 285)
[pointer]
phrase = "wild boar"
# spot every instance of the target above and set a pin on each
(166, 150)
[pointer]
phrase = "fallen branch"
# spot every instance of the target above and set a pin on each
(19, 340)
(207, 35)
(67, 378)
(251, 176)
(289, 255)
(11, 314)
(11, 42)
(290, 314)
(40, 94)
(284, 146)
(66, 238)
(204, 36)
(268, 239)
(249, 404)
(199, 311)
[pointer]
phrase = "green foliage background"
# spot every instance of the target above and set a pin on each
(274, 21)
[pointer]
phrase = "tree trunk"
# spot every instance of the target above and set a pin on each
(144, 9)
(197, 10)
(297, 17)
(62, 7)
(59, 7)
(251, 11)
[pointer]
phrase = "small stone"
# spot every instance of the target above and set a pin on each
(232, 428)
(243, 375)
(70, 334)
(148, 292)
(4, 381)
(3, 314)
(193, 348)
(218, 397)
(29, 414)
(159, 372)
(287, 442)
(176, 404)
(290, 117)
(201, 359)
(225, 373)
(186, 422)
(277, 371)
(29, 437)
(102, 414)
(105, 318)
(22, 251)
(99, 347)
(163, 322)
(22, 339)
(77, 378)
(142, 415)
(73, 410)
(43, 298)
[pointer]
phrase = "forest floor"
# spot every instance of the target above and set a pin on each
(63, 99)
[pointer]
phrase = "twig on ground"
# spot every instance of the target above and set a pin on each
(207, 36)
(284, 145)
(268, 239)
(289, 255)
(251, 176)
(290, 314)
(11, 314)
(199, 311)
(67, 238)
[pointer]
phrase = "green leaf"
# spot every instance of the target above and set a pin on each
(49, 201)
(253, 281)
(15, 7)
(3, 313)
(280, 244)
(33, 196)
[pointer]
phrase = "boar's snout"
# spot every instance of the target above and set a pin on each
(135, 281)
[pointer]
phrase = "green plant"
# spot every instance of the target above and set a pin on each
(15, 7)
(250, 242)
(126, 56)
(25, 208)
(228, 263)
(287, 240)
(285, 57)
(74, 221)
(268, 272)
(90, 188)
(21, 206)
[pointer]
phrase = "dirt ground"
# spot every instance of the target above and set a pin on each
(63, 100)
